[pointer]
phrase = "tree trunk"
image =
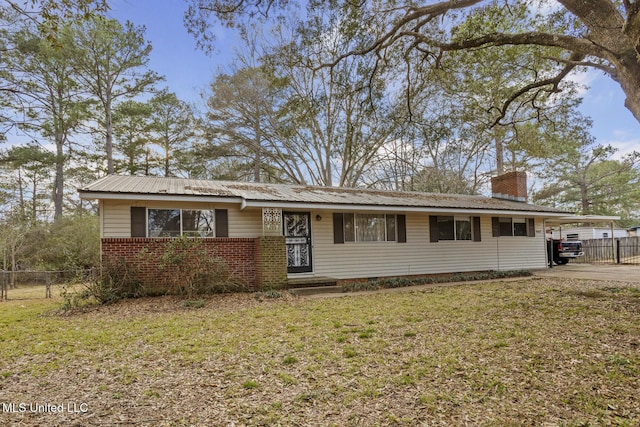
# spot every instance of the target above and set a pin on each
(109, 136)
(499, 156)
(21, 194)
(58, 186)
(257, 162)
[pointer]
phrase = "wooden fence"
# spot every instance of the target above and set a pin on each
(621, 250)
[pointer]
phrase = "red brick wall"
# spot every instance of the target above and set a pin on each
(243, 257)
(511, 184)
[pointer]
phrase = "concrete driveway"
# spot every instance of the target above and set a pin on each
(622, 273)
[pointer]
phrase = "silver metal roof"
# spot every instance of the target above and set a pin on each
(260, 194)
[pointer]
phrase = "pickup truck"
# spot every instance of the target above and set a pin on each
(563, 250)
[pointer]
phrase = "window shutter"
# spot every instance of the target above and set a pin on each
(531, 230)
(401, 221)
(495, 226)
(476, 229)
(138, 221)
(433, 229)
(338, 228)
(222, 223)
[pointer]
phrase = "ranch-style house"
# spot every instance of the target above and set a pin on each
(271, 234)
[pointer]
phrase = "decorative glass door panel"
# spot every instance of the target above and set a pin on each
(297, 233)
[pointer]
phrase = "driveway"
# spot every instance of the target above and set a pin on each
(622, 273)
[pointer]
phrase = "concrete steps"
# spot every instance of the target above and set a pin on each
(313, 285)
(316, 290)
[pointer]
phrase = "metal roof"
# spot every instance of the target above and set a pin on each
(265, 194)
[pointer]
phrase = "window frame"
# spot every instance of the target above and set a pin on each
(528, 230)
(347, 229)
(358, 232)
(181, 232)
(436, 233)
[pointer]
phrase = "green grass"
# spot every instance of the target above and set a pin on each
(524, 352)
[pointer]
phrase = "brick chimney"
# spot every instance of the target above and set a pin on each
(510, 186)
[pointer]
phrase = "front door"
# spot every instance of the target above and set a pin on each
(297, 233)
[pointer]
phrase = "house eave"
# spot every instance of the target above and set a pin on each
(397, 208)
(158, 197)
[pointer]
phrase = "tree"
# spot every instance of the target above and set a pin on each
(111, 61)
(590, 181)
(242, 110)
(456, 134)
(132, 129)
(333, 121)
(172, 126)
(600, 34)
(49, 15)
(30, 168)
(46, 96)
(43, 17)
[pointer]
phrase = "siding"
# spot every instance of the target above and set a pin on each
(419, 256)
(116, 217)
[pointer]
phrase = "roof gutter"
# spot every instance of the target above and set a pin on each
(158, 197)
(397, 208)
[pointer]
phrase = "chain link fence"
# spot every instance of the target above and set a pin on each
(38, 283)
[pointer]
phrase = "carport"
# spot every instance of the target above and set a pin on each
(582, 219)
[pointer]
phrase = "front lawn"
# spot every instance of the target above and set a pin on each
(526, 352)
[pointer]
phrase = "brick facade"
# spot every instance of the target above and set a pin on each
(254, 263)
(510, 186)
(271, 262)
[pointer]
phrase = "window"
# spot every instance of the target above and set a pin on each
(446, 228)
(519, 227)
(463, 228)
(180, 222)
(369, 227)
(164, 222)
(451, 228)
(454, 228)
(506, 226)
(197, 223)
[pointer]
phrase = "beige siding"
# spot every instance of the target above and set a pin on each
(116, 217)
(418, 255)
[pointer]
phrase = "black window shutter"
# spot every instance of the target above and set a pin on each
(138, 221)
(531, 231)
(338, 228)
(434, 233)
(476, 229)
(495, 226)
(222, 223)
(402, 228)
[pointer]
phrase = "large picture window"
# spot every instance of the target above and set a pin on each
(180, 222)
(369, 227)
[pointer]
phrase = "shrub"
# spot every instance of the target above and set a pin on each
(116, 279)
(190, 268)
